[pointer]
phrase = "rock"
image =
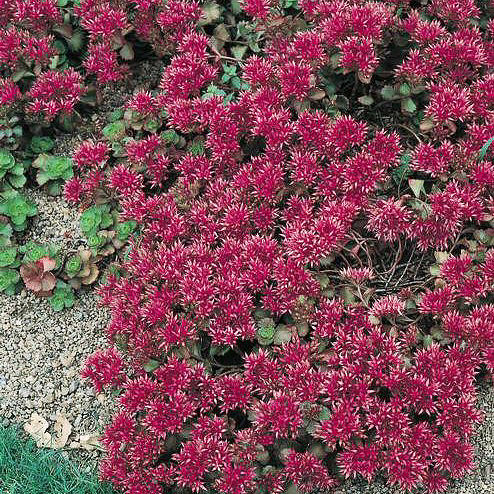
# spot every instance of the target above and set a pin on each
(24, 393)
(48, 398)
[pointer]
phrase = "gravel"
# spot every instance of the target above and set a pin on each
(42, 351)
(57, 222)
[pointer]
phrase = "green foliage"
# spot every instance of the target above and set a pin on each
(114, 131)
(485, 148)
(388, 93)
(34, 251)
(213, 90)
(7, 161)
(95, 241)
(8, 280)
(196, 148)
(63, 297)
(53, 169)
(41, 144)
(230, 77)
(116, 115)
(8, 257)
(408, 106)
(266, 331)
(125, 229)
(95, 218)
(10, 131)
(5, 233)
(403, 171)
(73, 265)
(170, 137)
(17, 208)
(289, 4)
(11, 173)
(26, 469)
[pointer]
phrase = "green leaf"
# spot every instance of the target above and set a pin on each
(152, 126)
(236, 82)
(20, 227)
(282, 335)
(7, 161)
(114, 131)
(405, 89)
(76, 41)
(106, 220)
(408, 105)
(427, 340)
(417, 186)
(170, 136)
(229, 69)
(435, 270)
(42, 177)
(59, 46)
(235, 7)
(41, 144)
(17, 181)
(126, 52)
(7, 256)
(388, 93)
(8, 279)
(116, 115)
(90, 220)
(342, 102)
(238, 51)
(348, 296)
(18, 75)
(125, 229)
(151, 365)
(325, 413)
(484, 149)
(5, 229)
(402, 171)
(54, 188)
(366, 100)
(17, 170)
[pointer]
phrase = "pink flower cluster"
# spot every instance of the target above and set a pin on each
(108, 21)
(26, 45)
(246, 228)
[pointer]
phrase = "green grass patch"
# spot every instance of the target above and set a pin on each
(26, 469)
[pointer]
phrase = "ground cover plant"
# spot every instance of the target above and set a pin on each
(307, 198)
(24, 469)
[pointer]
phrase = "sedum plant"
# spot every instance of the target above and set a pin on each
(63, 297)
(9, 278)
(8, 257)
(5, 233)
(363, 364)
(81, 268)
(37, 276)
(41, 144)
(96, 218)
(34, 251)
(11, 173)
(17, 208)
(124, 231)
(53, 171)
